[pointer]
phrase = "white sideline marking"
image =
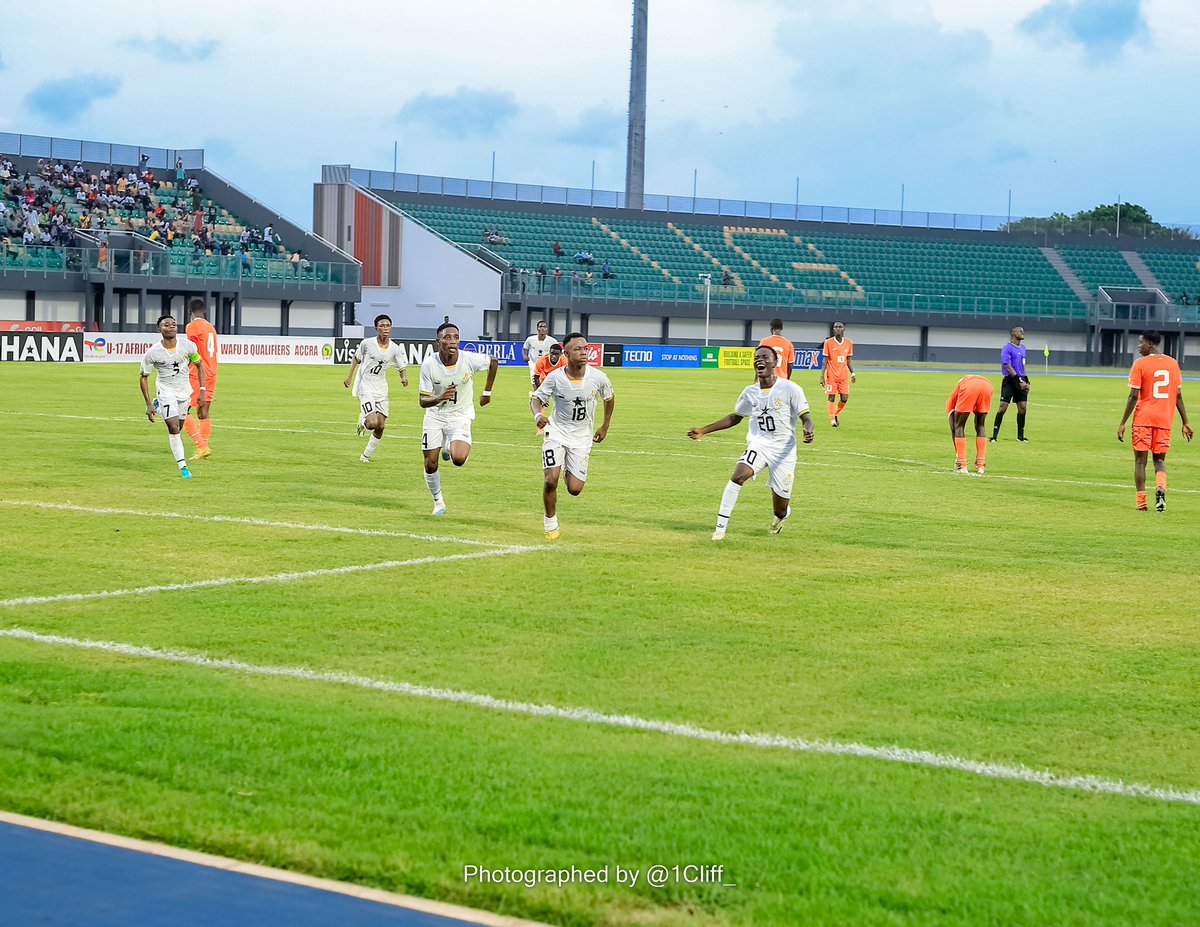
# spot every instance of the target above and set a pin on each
(893, 754)
(229, 519)
(273, 578)
(225, 864)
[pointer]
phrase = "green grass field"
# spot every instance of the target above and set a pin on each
(1030, 618)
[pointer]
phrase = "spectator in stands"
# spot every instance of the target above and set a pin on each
(557, 248)
(1184, 298)
(557, 277)
(727, 279)
(244, 260)
(268, 237)
(7, 171)
(541, 275)
(606, 271)
(295, 262)
(584, 257)
(180, 176)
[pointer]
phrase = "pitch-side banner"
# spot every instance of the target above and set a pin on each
(11, 325)
(127, 347)
(507, 353)
(40, 346)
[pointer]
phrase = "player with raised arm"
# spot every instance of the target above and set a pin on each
(837, 373)
(171, 360)
(535, 348)
(773, 406)
(201, 333)
(448, 398)
(570, 432)
(1155, 392)
(972, 395)
(375, 356)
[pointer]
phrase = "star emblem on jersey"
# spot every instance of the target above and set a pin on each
(578, 400)
(176, 366)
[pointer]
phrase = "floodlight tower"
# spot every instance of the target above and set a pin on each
(635, 148)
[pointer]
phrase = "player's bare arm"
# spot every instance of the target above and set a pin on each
(491, 378)
(144, 383)
(809, 432)
(602, 431)
(1187, 428)
(1130, 404)
(350, 376)
(721, 424)
(427, 400)
(404, 377)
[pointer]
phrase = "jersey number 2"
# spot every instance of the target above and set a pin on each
(1162, 380)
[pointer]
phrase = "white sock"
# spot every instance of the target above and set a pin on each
(371, 445)
(729, 499)
(434, 482)
(177, 450)
(550, 522)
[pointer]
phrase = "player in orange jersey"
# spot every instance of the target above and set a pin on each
(972, 394)
(837, 371)
(784, 350)
(201, 333)
(1155, 392)
(548, 364)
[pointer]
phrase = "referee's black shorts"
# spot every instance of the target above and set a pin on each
(1012, 389)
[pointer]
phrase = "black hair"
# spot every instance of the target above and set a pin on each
(1153, 337)
(162, 318)
(557, 346)
(767, 347)
(776, 325)
(571, 337)
(446, 325)
(196, 304)
(381, 317)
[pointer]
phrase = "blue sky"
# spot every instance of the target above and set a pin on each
(1067, 103)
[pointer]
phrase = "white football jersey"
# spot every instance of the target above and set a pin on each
(572, 422)
(436, 378)
(538, 348)
(171, 366)
(375, 361)
(773, 413)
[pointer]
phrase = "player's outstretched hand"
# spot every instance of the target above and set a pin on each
(809, 436)
(1121, 433)
(346, 383)
(695, 434)
(404, 382)
(601, 434)
(1187, 432)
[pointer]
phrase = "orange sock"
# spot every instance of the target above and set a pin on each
(193, 430)
(980, 451)
(1160, 480)
(841, 405)
(205, 431)
(960, 451)
(1141, 500)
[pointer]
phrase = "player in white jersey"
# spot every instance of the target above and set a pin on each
(568, 436)
(772, 405)
(535, 348)
(170, 359)
(375, 355)
(448, 398)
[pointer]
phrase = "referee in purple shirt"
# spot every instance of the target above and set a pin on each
(1015, 387)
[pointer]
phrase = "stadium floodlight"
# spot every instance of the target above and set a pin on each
(707, 278)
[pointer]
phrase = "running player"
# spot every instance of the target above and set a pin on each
(201, 333)
(569, 435)
(375, 355)
(971, 394)
(548, 364)
(448, 398)
(773, 405)
(784, 350)
(837, 372)
(535, 348)
(1155, 392)
(1015, 385)
(171, 359)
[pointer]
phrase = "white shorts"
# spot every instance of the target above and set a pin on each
(782, 465)
(575, 459)
(171, 406)
(374, 405)
(533, 372)
(437, 433)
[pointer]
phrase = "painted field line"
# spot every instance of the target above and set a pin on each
(892, 754)
(229, 519)
(252, 580)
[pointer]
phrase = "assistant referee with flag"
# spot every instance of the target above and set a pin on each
(1015, 387)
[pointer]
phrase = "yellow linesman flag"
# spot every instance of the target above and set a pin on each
(1047, 351)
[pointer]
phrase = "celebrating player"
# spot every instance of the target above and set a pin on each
(773, 405)
(784, 350)
(837, 373)
(201, 333)
(569, 434)
(535, 348)
(448, 398)
(971, 394)
(1155, 392)
(171, 359)
(375, 355)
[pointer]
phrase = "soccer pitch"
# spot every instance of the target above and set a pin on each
(963, 701)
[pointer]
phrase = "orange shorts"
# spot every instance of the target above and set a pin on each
(971, 396)
(210, 382)
(1149, 438)
(837, 384)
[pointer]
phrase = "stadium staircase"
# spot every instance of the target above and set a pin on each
(1069, 276)
(1178, 271)
(1144, 273)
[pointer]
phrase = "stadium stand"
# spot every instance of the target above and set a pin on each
(1097, 267)
(1178, 271)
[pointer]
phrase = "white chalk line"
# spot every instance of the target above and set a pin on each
(258, 522)
(891, 753)
(255, 580)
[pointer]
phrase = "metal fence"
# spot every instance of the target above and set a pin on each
(754, 209)
(73, 149)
